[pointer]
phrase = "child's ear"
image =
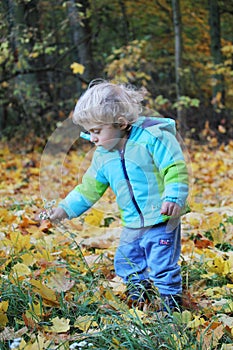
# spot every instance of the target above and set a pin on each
(123, 123)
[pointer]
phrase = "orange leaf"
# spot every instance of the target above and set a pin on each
(202, 242)
(29, 322)
(45, 225)
(26, 222)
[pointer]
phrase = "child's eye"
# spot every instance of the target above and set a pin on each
(96, 131)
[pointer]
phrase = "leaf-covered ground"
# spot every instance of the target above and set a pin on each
(58, 287)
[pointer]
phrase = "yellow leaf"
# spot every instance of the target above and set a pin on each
(196, 322)
(6, 216)
(219, 266)
(77, 68)
(60, 325)
(19, 241)
(114, 302)
(35, 344)
(194, 219)
(34, 309)
(34, 171)
(35, 232)
(215, 220)
(84, 323)
(115, 341)
(3, 319)
(197, 207)
(94, 218)
(137, 313)
(48, 295)
(3, 316)
(23, 345)
(28, 259)
(4, 306)
(20, 270)
(186, 316)
(109, 295)
(218, 236)
(216, 292)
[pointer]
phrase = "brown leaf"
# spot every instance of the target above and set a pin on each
(202, 242)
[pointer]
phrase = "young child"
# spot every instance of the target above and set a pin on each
(141, 160)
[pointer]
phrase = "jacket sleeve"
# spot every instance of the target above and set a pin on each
(171, 164)
(83, 196)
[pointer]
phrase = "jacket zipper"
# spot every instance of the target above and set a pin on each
(122, 152)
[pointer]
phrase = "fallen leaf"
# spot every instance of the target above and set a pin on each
(48, 295)
(85, 322)
(45, 225)
(21, 270)
(60, 281)
(60, 325)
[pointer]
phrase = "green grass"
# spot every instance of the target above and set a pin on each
(113, 325)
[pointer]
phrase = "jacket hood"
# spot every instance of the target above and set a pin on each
(156, 124)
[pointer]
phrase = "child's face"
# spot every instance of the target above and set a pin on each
(107, 136)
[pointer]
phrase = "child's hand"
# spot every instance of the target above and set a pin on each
(170, 209)
(57, 214)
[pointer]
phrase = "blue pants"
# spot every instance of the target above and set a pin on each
(151, 253)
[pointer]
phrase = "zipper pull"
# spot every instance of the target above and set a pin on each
(121, 153)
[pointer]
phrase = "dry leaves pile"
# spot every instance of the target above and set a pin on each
(50, 272)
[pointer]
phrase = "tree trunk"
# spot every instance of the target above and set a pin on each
(178, 60)
(81, 36)
(17, 13)
(215, 45)
(125, 21)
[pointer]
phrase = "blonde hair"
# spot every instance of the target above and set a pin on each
(104, 102)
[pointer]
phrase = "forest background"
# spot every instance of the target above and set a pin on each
(58, 288)
(181, 52)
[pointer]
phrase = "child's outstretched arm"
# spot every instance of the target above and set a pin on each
(83, 196)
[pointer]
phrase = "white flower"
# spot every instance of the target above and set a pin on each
(15, 344)
(81, 344)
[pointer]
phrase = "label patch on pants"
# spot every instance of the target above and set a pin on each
(164, 242)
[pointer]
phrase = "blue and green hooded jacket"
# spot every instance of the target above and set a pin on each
(149, 170)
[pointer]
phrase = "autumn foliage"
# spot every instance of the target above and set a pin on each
(57, 282)
(51, 50)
